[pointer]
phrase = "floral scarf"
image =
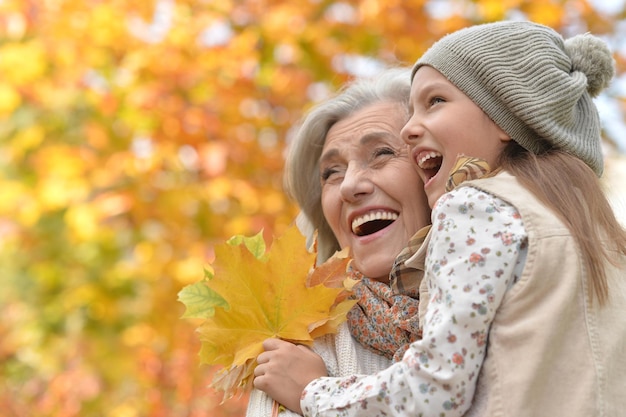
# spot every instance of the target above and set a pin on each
(384, 322)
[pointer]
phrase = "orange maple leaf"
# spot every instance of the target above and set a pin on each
(331, 273)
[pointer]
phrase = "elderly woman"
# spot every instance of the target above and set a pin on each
(350, 172)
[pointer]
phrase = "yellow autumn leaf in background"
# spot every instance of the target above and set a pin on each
(266, 296)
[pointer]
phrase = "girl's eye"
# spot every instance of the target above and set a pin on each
(436, 99)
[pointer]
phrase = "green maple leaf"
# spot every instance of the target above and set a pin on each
(200, 301)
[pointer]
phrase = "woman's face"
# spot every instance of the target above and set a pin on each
(372, 196)
(445, 124)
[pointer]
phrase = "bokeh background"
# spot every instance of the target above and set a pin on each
(136, 134)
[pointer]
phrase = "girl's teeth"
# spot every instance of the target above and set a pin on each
(424, 158)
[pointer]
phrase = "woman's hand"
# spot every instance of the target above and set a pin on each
(285, 369)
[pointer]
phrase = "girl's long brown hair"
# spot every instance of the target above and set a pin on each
(572, 190)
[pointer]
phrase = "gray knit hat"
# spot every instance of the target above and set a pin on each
(534, 85)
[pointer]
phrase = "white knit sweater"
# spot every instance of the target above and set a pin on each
(343, 356)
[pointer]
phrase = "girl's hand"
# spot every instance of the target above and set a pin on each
(285, 369)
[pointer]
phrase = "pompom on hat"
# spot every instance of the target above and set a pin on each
(531, 82)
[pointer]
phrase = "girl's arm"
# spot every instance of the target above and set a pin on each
(473, 258)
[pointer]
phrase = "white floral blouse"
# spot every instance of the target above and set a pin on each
(476, 253)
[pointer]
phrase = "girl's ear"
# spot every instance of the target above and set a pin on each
(503, 136)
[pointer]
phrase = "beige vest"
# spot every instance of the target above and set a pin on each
(551, 351)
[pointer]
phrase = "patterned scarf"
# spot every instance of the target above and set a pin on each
(386, 317)
(383, 322)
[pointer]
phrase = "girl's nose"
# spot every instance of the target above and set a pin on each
(356, 183)
(411, 131)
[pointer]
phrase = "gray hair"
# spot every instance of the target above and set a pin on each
(302, 178)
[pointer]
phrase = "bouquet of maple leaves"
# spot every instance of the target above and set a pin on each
(250, 294)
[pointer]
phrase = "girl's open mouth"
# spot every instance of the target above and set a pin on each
(430, 163)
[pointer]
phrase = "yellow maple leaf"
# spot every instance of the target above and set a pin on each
(267, 296)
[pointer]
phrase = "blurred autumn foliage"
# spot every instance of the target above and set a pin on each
(135, 135)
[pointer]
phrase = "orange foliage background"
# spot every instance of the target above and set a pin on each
(135, 135)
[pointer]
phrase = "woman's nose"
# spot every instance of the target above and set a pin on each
(356, 183)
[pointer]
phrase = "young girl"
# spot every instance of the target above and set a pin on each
(526, 266)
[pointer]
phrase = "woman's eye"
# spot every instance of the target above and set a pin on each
(384, 151)
(327, 173)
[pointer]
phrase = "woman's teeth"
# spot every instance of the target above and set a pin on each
(372, 222)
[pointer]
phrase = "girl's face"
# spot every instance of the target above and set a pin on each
(372, 196)
(445, 123)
